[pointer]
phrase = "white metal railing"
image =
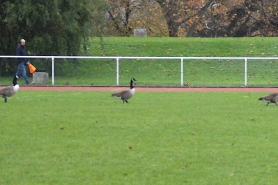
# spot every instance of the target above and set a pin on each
(117, 58)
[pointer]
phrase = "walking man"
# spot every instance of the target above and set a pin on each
(21, 62)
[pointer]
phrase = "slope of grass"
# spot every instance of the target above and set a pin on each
(187, 47)
(158, 138)
(168, 72)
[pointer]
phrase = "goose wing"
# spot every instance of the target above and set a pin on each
(275, 98)
(271, 97)
(119, 94)
(127, 95)
(123, 94)
(7, 91)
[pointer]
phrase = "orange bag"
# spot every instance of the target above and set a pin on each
(32, 68)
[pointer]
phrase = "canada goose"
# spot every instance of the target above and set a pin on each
(271, 98)
(126, 94)
(10, 90)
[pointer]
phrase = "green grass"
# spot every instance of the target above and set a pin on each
(186, 47)
(158, 138)
(168, 72)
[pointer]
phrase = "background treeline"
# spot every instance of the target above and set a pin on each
(63, 27)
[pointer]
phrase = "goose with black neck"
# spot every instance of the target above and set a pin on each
(126, 94)
(9, 90)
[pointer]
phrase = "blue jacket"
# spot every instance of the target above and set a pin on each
(21, 51)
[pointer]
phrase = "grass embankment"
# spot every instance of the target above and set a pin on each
(168, 72)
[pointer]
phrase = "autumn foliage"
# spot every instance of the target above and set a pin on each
(194, 18)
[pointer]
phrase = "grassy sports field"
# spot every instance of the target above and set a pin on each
(82, 137)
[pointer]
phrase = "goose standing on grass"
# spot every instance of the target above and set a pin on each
(10, 90)
(126, 94)
(271, 98)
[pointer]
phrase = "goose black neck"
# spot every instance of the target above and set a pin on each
(14, 81)
(131, 84)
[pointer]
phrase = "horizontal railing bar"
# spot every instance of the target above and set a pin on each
(163, 58)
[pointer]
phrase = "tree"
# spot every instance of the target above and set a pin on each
(124, 16)
(263, 16)
(242, 18)
(182, 12)
(54, 27)
(193, 18)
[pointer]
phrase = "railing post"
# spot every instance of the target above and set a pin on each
(52, 71)
(117, 72)
(245, 72)
(182, 83)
